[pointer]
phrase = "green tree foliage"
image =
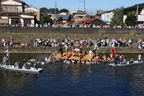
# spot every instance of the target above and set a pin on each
(131, 19)
(46, 18)
(118, 16)
(52, 10)
(44, 10)
(64, 10)
(70, 18)
(35, 20)
(60, 19)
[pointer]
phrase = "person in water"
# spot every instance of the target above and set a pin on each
(139, 57)
(124, 61)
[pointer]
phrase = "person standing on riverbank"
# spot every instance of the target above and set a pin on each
(143, 44)
(31, 42)
(3, 42)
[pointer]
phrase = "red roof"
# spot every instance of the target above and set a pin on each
(90, 20)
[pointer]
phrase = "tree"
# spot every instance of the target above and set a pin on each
(64, 10)
(52, 10)
(60, 19)
(118, 16)
(44, 10)
(70, 18)
(35, 20)
(46, 18)
(131, 19)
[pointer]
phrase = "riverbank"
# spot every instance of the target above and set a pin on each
(55, 50)
(24, 35)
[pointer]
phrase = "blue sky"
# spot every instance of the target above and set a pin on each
(91, 5)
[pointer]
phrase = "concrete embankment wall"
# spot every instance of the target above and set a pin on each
(54, 50)
(25, 35)
(74, 30)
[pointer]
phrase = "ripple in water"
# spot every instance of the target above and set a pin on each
(73, 80)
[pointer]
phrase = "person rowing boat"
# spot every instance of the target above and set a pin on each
(4, 60)
(17, 64)
(131, 60)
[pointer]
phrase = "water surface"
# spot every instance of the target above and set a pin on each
(73, 80)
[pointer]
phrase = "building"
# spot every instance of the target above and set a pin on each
(80, 16)
(57, 16)
(12, 12)
(98, 14)
(72, 12)
(107, 16)
(95, 21)
(137, 9)
(33, 10)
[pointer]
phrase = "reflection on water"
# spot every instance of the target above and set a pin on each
(73, 80)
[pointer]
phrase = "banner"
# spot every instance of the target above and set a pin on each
(113, 51)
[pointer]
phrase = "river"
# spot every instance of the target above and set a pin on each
(73, 80)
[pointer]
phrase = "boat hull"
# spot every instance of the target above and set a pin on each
(127, 64)
(31, 70)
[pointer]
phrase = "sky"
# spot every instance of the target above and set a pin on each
(91, 5)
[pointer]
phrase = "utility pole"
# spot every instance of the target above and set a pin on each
(84, 5)
(84, 11)
(55, 10)
(137, 10)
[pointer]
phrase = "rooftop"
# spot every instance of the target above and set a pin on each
(135, 6)
(65, 17)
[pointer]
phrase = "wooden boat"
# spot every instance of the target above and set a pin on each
(127, 64)
(65, 55)
(31, 70)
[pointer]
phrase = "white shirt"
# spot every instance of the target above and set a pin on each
(139, 57)
(3, 40)
(90, 52)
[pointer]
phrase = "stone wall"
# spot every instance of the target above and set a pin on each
(73, 30)
(55, 50)
(24, 35)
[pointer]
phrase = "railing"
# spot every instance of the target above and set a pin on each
(10, 9)
(3, 21)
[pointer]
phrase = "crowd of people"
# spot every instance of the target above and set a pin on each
(67, 42)
(112, 58)
(23, 65)
(69, 25)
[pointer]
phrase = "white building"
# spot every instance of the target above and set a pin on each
(33, 10)
(13, 12)
(107, 16)
(138, 9)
